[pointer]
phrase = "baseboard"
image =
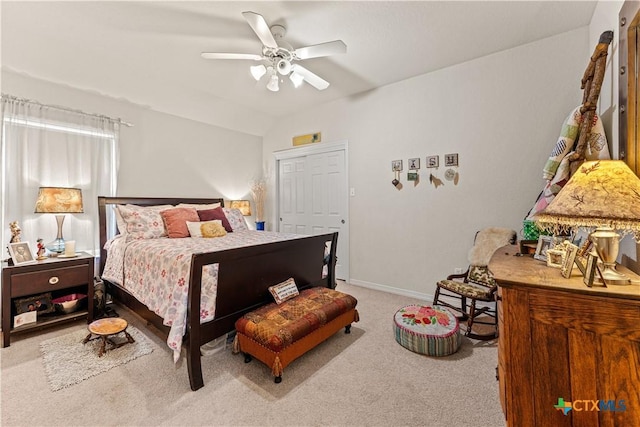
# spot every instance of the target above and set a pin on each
(403, 292)
(391, 290)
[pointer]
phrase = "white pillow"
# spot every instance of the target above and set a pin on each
(211, 228)
(284, 291)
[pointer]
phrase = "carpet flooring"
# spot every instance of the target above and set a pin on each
(360, 379)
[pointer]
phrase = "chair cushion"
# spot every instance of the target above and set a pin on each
(469, 290)
(480, 275)
(278, 326)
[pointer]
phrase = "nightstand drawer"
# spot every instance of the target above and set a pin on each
(49, 280)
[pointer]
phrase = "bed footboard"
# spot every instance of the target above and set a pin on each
(244, 276)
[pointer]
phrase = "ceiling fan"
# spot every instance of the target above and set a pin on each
(280, 57)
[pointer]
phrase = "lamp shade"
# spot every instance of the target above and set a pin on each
(600, 193)
(59, 200)
(243, 205)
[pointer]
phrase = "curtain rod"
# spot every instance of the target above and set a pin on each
(57, 107)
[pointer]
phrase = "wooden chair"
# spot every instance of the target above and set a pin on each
(476, 284)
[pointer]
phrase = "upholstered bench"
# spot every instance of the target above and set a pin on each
(431, 330)
(277, 334)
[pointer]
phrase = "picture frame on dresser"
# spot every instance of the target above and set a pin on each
(568, 260)
(21, 253)
(544, 244)
(39, 303)
(591, 270)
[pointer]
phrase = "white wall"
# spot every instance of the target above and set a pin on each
(502, 113)
(161, 155)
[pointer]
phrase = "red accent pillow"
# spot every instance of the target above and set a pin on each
(217, 213)
(175, 220)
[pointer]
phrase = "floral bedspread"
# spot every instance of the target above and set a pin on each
(156, 272)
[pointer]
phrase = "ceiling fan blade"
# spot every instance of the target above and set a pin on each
(323, 49)
(214, 55)
(311, 78)
(260, 27)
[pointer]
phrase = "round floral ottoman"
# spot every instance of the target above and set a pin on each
(430, 330)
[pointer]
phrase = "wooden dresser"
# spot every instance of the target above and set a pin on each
(562, 340)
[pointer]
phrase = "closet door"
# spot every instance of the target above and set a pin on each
(313, 198)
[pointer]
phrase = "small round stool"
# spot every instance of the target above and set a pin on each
(431, 330)
(106, 327)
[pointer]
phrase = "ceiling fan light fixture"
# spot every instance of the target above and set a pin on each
(273, 83)
(284, 66)
(296, 78)
(257, 71)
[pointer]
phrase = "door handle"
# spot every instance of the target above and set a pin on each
(342, 221)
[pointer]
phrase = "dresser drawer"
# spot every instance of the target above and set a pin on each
(49, 280)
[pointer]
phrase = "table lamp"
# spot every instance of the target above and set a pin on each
(59, 201)
(604, 195)
(243, 205)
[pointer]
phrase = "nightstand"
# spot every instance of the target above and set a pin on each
(59, 276)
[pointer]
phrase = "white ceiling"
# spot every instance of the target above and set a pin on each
(148, 52)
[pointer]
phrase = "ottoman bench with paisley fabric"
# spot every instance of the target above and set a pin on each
(277, 334)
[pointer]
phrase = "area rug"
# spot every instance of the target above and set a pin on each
(68, 361)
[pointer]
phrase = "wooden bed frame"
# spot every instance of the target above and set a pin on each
(244, 276)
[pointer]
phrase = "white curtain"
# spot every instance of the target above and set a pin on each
(47, 146)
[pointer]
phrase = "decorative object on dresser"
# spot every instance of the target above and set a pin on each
(259, 193)
(21, 253)
(604, 194)
(59, 201)
(40, 284)
(477, 283)
(561, 340)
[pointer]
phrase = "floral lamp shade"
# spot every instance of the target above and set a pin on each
(59, 200)
(243, 205)
(600, 193)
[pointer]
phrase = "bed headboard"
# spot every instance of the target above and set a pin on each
(105, 202)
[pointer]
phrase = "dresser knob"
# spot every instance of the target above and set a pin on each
(53, 280)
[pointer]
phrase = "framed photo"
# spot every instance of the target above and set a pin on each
(451, 159)
(554, 258)
(38, 303)
(568, 260)
(591, 269)
(433, 161)
(581, 262)
(396, 165)
(414, 164)
(544, 243)
(21, 253)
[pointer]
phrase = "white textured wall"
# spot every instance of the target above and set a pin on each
(501, 113)
(161, 155)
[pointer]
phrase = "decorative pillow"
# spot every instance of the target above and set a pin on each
(175, 221)
(206, 228)
(143, 222)
(236, 219)
(284, 291)
(120, 224)
(199, 207)
(217, 213)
